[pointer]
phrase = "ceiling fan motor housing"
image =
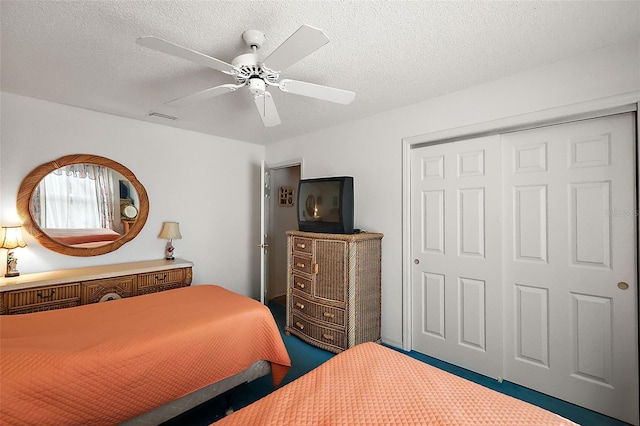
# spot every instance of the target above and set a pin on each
(250, 67)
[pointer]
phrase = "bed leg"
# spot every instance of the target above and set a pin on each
(227, 401)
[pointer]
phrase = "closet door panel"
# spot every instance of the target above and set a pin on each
(457, 310)
(569, 226)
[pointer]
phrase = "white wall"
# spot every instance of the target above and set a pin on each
(371, 149)
(208, 184)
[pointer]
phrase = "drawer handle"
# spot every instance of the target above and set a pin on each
(299, 305)
(41, 296)
(327, 336)
(158, 278)
(329, 315)
(300, 265)
(300, 325)
(301, 285)
(301, 245)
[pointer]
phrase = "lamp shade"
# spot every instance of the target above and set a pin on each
(170, 231)
(11, 237)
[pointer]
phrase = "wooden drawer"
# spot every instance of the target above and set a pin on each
(326, 337)
(323, 313)
(43, 298)
(93, 291)
(301, 264)
(161, 281)
(302, 245)
(301, 284)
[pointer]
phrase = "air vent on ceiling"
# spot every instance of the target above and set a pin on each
(160, 115)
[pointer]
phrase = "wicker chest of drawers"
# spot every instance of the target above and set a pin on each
(73, 287)
(334, 288)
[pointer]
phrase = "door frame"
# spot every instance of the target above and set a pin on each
(267, 193)
(575, 112)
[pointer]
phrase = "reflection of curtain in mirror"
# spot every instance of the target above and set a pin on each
(105, 192)
(76, 196)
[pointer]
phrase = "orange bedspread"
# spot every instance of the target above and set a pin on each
(373, 385)
(104, 363)
(80, 237)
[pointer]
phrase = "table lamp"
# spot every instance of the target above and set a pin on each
(11, 238)
(170, 231)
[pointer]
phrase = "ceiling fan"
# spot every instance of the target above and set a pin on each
(256, 73)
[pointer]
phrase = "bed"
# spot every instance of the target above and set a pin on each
(374, 385)
(88, 238)
(107, 363)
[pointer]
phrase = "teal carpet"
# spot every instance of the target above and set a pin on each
(305, 357)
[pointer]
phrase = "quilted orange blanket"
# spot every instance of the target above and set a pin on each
(373, 385)
(72, 237)
(104, 363)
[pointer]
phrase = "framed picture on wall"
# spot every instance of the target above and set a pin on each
(285, 196)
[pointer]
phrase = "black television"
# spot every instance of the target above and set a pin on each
(326, 205)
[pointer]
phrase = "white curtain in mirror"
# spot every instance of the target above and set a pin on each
(77, 196)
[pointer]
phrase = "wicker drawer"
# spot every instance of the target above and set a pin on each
(159, 281)
(43, 298)
(301, 284)
(327, 314)
(325, 336)
(301, 264)
(302, 245)
(94, 291)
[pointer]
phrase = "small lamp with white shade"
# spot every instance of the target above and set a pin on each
(11, 238)
(170, 231)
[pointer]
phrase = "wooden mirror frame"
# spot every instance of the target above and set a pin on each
(29, 184)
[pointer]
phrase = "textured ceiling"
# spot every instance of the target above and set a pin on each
(391, 53)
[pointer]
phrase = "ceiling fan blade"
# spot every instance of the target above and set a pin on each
(317, 91)
(203, 94)
(267, 110)
(185, 53)
(300, 44)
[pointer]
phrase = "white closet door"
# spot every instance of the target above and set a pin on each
(455, 218)
(571, 324)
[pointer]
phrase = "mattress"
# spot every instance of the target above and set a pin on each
(108, 362)
(370, 384)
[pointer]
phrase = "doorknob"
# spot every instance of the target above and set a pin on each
(622, 285)
(416, 261)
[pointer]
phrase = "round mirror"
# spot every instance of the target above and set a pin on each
(82, 205)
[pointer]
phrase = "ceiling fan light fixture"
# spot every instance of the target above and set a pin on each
(256, 86)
